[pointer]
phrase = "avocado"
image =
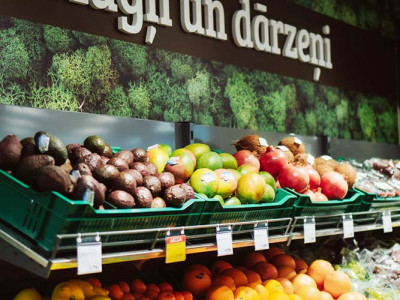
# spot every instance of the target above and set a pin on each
(71, 147)
(93, 161)
(67, 166)
(175, 196)
(136, 174)
(86, 182)
(77, 154)
(29, 166)
(106, 174)
(48, 143)
(167, 179)
(153, 170)
(121, 199)
(83, 169)
(139, 155)
(54, 178)
(141, 167)
(95, 144)
(143, 197)
(188, 190)
(28, 146)
(125, 182)
(119, 163)
(10, 152)
(108, 152)
(153, 184)
(125, 155)
(158, 203)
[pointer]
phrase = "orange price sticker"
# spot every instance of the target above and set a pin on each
(175, 248)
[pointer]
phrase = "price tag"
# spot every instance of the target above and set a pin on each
(326, 157)
(43, 142)
(89, 256)
(263, 142)
(261, 238)
(309, 231)
(283, 148)
(297, 141)
(173, 161)
(175, 248)
(387, 222)
(310, 159)
(156, 146)
(76, 174)
(88, 196)
(348, 226)
(208, 177)
(224, 242)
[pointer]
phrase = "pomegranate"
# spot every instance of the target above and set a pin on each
(247, 157)
(311, 194)
(319, 196)
(315, 179)
(333, 185)
(273, 160)
(295, 177)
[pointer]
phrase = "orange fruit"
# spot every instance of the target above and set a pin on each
(196, 282)
(238, 276)
(283, 260)
(245, 293)
(152, 294)
(302, 280)
(273, 251)
(301, 265)
(251, 259)
(153, 287)
(287, 285)
(278, 296)
(260, 289)
(138, 286)
(252, 276)
(219, 266)
(166, 296)
(326, 296)
(352, 296)
(337, 283)
(178, 296)
(115, 291)
(224, 280)
(266, 270)
(219, 293)
(309, 293)
(165, 287)
(319, 269)
(187, 295)
(124, 287)
(199, 267)
(273, 286)
(286, 272)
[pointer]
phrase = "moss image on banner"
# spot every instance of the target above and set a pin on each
(49, 67)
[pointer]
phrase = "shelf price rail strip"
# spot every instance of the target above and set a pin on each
(363, 221)
(153, 252)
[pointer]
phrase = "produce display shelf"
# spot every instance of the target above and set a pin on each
(373, 202)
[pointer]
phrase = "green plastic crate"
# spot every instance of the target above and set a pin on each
(373, 202)
(215, 213)
(305, 207)
(42, 216)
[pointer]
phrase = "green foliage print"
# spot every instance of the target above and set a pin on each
(139, 101)
(58, 40)
(243, 100)
(116, 103)
(367, 120)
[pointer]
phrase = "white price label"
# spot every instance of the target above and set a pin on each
(224, 243)
(43, 143)
(387, 222)
(309, 232)
(283, 148)
(208, 177)
(263, 142)
(326, 157)
(348, 227)
(261, 238)
(156, 146)
(297, 141)
(310, 159)
(89, 258)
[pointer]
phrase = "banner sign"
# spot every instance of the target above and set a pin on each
(274, 36)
